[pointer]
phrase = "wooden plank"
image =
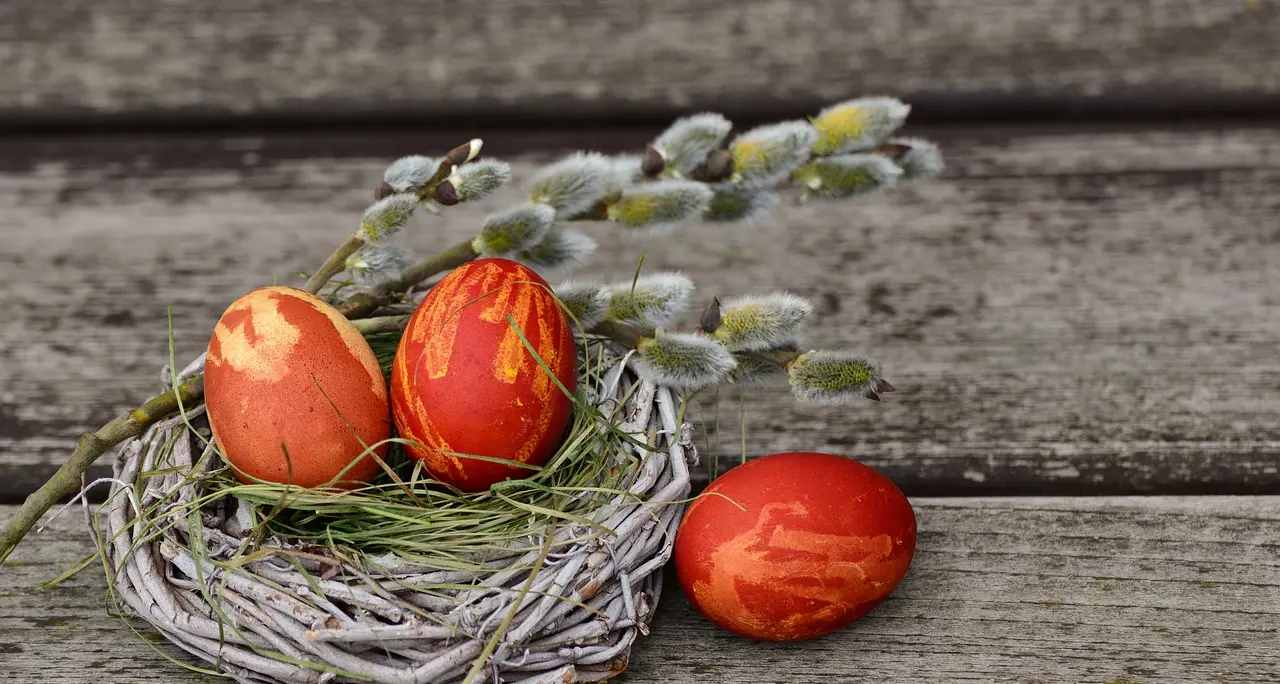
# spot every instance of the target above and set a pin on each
(1092, 312)
(612, 58)
(1044, 590)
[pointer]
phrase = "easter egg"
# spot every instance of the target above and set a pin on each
(465, 384)
(293, 392)
(794, 546)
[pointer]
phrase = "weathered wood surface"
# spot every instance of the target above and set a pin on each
(1094, 312)
(571, 58)
(1155, 590)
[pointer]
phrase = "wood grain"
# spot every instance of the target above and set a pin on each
(1047, 590)
(1092, 312)
(600, 60)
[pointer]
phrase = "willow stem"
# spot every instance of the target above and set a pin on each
(379, 324)
(626, 334)
(779, 357)
(66, 481)
(335, 264)
(629, 334)
(365, 303)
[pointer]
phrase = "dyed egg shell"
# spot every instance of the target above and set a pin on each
(285, 368)
(822, 541)
(463, 382)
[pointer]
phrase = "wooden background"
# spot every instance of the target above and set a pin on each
(1082, 317)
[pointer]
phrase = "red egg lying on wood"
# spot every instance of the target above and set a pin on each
(293, 392)
(794, 546)
(464, 383)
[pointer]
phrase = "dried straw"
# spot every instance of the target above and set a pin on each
(564, 607)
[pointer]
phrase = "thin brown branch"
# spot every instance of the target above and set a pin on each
(365, 303)
(781, 358)
(334, 264)
(380, 324)
(92, 445)
(625, 334)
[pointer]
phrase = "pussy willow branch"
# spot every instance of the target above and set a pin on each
(91, 446)
(365, 303)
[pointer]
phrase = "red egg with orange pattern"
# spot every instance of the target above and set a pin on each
(464, 383)
(794, 546)
(294, 393)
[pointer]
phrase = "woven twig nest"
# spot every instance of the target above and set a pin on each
(565, 604)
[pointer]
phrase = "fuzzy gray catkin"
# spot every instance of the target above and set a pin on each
(683, 360)
(656, 299)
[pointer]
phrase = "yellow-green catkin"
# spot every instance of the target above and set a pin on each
(661, 204)
(833, 377)
(683, 360)
(857, 125)
(761, 322)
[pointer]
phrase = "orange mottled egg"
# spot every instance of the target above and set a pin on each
(463, 382)
(293, 392)
(794, 546)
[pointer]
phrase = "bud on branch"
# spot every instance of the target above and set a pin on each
(586, 303)
(409, 174)
(733, 203)
(918, 158)
(573, 184)
(765, 155)
(654, 206)
(684, 360)
(858, 125)
(762, 369)
(750, 323)
(835, 378)
(847, 175)
(374, 264)
(514, 230)
(386, 217)
(478, 180)
(562, 247)
(684, 146)
(654, 300)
